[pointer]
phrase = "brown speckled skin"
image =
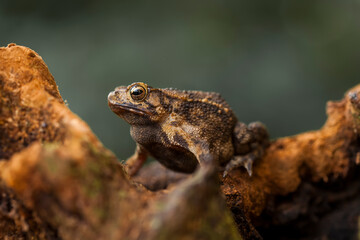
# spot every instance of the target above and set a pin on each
(182, 129)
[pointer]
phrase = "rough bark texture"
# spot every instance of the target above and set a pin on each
(57, 181)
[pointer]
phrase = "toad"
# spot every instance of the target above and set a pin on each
(185, 129)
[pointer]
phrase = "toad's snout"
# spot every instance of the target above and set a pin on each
(111, 96)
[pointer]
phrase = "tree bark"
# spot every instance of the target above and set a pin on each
(57, 181)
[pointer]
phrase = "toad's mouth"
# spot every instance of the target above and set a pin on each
(123, 108)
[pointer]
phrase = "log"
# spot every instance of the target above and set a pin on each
(58, 181)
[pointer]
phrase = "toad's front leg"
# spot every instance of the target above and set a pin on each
(250, 143)
(136, 161)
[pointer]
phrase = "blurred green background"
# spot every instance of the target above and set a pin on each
(273, 61)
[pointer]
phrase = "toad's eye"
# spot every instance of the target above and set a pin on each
(138, 93)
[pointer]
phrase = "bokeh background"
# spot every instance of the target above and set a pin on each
(275, 61)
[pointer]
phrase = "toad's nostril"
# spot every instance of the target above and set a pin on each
(111, 96)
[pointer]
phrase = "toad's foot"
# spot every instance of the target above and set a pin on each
(250, 144)
(245, 161)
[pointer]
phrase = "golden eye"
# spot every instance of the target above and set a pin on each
(138, 93)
